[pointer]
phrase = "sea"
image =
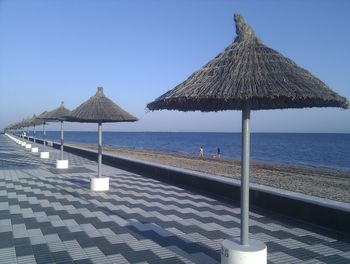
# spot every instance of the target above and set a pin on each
(315, 150)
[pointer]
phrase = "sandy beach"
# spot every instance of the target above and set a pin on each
(330, 184)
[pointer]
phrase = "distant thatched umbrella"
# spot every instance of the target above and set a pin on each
(42, 117)
(22, 124)
(19, 125)
(246, 76)
(34, 121)
(15, 126)
(25, 123)
(57, 114)
(99, 109)
(10, 128)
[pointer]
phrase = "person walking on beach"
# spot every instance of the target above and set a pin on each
(218, 152)
(201, 152)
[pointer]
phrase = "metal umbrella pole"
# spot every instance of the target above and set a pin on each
(34, 134)
(245, 176)
(99, 149)
(44, 136)
(61, 140)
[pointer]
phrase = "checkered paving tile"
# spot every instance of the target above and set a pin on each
(49, 217)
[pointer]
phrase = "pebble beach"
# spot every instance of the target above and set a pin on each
(324, 183)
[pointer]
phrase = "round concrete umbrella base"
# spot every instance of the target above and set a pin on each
(44, 155)
(29, 146)
(99, 184)
(61, 164)
(232, 252)
(23, 144)
(35, 150)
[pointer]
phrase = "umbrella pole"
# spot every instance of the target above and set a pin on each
(34, 135)
(44, 135)
(61, 140)
(99, 149)
(245, 176)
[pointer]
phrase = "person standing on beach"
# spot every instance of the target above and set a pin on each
(201, 152)
(218, 152)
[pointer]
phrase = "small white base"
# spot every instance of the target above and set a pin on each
(44, 155)
(232, 252)
(61, 164)
(99, 184)
(35, 150)
(23, 144)
(28, 146)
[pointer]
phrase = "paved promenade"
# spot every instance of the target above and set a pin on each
(51, 216)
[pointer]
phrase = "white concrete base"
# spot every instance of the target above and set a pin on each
(35, 150)
(29, 146)
(44, 155)
(99, 184)
(232, 252)
(61, 164)
(23, 144)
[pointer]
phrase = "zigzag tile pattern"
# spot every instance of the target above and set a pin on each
(48, 217)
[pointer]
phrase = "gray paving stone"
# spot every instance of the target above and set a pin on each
(139, 220)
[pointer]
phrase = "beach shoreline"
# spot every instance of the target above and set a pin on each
(319, 182)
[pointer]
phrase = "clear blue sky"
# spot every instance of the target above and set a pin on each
(54, 50)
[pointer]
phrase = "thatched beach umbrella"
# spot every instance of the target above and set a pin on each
(25, 124)
(99, 109)
(44, 154)
(12, 127)
(34, 121)
(16, 126)
(21, 125)
(42, 117)
(57, 115)
(247, 76)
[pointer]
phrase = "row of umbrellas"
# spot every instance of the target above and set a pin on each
(98, 109)
(246, 76)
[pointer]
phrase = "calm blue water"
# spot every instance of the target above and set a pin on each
(330, 151)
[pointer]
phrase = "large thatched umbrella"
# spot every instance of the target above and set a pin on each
(99, 109)
(246, 76)
(57, 115)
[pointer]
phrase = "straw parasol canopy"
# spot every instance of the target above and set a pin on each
(248, 72)
(34, 121)
(42, 115)
(24, 123)
(99, 109)
(247, 76)
(57, 114)
(16, 125)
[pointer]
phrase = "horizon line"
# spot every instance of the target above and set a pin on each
(270, 132)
